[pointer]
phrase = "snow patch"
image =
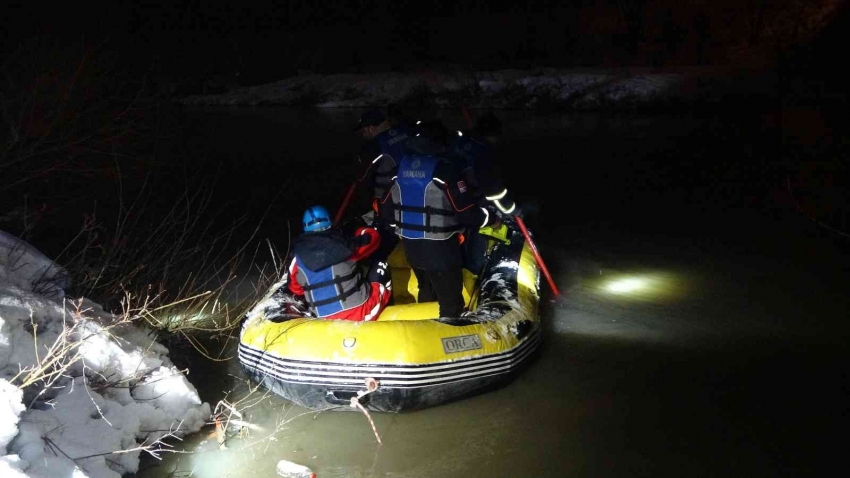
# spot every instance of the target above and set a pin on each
(122, 392)
(577, 88)
(27, 268)
(11, 466)
(10, 409)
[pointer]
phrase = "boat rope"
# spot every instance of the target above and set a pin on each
(371, 386)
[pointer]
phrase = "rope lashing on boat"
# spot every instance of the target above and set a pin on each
(371, 386)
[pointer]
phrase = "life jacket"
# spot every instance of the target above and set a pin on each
(422, 208)
(390, 143)
(476, 155)
(333, 284)
(469, 148)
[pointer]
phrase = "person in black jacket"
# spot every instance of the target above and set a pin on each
(379, 157)
(429, 205)
(475, 150)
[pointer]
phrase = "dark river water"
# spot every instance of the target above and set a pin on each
(702, 329)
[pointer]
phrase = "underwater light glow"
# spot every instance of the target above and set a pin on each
(627, 285)
(644, 285)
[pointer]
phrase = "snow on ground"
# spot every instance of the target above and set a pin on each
(575, 88)
(122, 391)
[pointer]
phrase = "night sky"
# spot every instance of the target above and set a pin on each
(111, 54)
(184, 44)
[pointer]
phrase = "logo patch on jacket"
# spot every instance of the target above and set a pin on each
(461, 185)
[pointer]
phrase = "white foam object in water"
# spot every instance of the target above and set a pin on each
(287, 469)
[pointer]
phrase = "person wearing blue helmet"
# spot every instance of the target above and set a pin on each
(323, 268)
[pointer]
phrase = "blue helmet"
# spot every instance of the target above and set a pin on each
(316, 218)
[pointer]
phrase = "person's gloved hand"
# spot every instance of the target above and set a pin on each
(510, 218)
(517, 212)
(370, 218)
(372, 232)
(503, 218)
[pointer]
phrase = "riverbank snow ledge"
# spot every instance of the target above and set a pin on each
(122, 393)
(577, 88)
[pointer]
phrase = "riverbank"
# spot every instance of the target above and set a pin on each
(562, 89)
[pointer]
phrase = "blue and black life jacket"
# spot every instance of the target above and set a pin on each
(390, 144)
(477, 155)
(470, 148)
(331, 282)
(422, 207)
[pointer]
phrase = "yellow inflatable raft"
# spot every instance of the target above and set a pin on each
(417, 359)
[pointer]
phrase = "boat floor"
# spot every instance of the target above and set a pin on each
(406, 289)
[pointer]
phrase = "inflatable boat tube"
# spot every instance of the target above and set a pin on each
(417, 359)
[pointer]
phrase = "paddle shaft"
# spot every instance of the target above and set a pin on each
(537, 257)
(466, 115)
(345, 202)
